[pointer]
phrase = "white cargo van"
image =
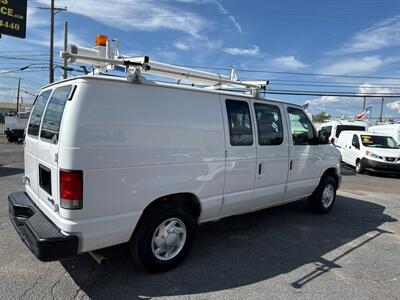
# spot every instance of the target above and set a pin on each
(388, 129)
(334, 128)
(370, 151)
(110, 161)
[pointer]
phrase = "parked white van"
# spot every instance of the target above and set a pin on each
(369, 151)
(388, 129)
(334, 128)
(108, 161)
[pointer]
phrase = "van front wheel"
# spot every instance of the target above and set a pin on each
(163, 238)
(359, 166)
(323, 198)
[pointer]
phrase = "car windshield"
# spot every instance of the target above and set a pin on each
(377, 141)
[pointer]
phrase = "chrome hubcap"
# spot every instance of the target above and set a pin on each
(168, 239)
(328, 195)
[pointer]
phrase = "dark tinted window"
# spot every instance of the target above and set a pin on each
(303, 132)
(269, 124)
(355, 142)
(53, 114)
(341, 128)
(240, 129)
(37, 112)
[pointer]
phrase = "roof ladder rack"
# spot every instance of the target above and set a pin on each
(103, 59)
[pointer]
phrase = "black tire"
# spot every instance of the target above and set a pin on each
(141, 243)
(316, 199)
(359, 166)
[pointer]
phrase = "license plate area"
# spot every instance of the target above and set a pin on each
(45, 179)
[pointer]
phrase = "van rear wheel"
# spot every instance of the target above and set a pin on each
(324, 196)
(163, 238)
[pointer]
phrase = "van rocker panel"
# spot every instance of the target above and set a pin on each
(40, 235)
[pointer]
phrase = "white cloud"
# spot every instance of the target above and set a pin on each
(287, 63)
(394, 106)
(351, 105)
(220, 8)
(129, 15)
(224, 11)
(252, 51)
(381, 35)
(354, 65)
(181, 46)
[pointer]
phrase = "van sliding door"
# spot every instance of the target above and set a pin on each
(240, 155)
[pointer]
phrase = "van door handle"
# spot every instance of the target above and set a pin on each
(291, 165)
(259, 168)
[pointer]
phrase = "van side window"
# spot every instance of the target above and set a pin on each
(37, 112)
(240, 129)
(355, 143)
(53, 114)
(303, 132)
(269, 124)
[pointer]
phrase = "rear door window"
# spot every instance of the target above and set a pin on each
(37, 112)
(53, 115)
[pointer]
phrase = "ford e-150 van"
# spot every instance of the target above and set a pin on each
(114, 160)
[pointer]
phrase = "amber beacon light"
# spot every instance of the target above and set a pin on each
(101, 40)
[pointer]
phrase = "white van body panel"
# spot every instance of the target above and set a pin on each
(136, 143)
(389, 129)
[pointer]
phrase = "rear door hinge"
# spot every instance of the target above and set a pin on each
(56, 157)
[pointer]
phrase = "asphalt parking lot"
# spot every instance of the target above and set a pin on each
(280, 253)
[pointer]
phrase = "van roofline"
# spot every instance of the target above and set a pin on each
(165, 84)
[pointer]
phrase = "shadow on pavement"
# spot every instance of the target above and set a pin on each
(237, 251)
(6, 171)
(348, 170)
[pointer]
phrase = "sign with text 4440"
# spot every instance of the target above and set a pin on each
(13, 17)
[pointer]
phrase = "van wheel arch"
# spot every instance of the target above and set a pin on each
(332, 173)
(187, 200)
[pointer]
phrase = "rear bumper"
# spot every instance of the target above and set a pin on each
(39, 234)
(393, 168)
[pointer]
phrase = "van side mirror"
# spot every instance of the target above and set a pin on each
(323, 137)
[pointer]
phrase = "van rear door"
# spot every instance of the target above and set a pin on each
(48, 145)
(31, 145)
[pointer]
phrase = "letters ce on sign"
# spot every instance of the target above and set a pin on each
(13, 17)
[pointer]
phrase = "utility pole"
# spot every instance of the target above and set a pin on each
(65, 49)
(53, 12)
(380, 118)
(18, 90)
(365, 100)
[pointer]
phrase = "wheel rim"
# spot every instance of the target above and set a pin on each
(328, 195)
(358, 166)
(168, 239)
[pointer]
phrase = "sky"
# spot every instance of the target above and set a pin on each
(281, 41)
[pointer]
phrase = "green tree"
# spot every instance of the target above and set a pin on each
(321, 117)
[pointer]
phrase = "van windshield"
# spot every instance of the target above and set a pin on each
(377, 141)
(341, 128)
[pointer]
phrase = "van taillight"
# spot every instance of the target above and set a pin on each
(71, 189)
